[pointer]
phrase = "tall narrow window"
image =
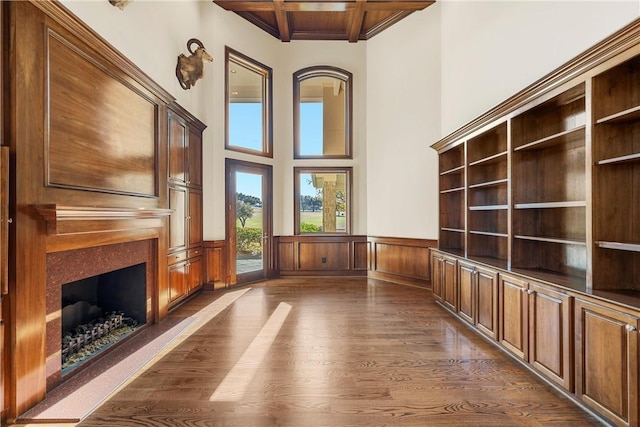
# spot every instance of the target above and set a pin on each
(322, 200)
(248, 102)
(322, 113)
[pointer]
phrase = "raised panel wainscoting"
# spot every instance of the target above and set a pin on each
(401, 260)
(321, 255)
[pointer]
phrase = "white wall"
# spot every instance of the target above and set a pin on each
(302, 54)
(152, 34)
(415, 82)
(403, 119)
(493, 49)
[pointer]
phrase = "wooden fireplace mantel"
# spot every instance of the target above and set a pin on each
(61, 219)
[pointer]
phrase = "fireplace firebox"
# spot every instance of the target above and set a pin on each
(99, 311)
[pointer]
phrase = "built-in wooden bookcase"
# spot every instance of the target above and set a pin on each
(487, 198)
(550, 188)
(452, 200)
(616, 141)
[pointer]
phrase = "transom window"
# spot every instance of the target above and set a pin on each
(248, 105)
(322, 113)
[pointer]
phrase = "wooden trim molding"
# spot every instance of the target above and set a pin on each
(81, 219)
(401, 260)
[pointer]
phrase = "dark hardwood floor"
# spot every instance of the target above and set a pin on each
(333, 352)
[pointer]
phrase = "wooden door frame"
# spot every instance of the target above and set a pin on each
(231, 167)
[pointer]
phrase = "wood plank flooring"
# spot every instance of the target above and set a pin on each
(349, 352)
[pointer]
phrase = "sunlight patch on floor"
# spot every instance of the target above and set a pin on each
(234, 385)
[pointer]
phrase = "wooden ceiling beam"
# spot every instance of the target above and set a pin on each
(355, 24)
(282, 20)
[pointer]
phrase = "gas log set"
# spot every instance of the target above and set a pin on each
(88, 339)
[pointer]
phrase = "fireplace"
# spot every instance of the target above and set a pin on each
(100, 311)
(86, 288)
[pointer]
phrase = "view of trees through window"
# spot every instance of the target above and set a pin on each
(323, 202)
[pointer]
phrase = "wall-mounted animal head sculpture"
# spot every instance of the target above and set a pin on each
(120, 4)
(191, 68)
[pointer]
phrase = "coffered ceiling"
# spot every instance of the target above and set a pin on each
(323, 20)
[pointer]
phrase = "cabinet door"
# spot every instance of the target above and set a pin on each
(466, 290)
(195, 159)
(449, 283)
(436, 274)
(513, 315)
(177, 281)
(177, 149)
(487, 302)
(4, 220)
(195, 274)
(195, 218)
(178, 218)
(607, 361)
(550, 340)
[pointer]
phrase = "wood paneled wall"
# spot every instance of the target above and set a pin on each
(87, 132)
(215, 265)
(401, 260)
(321, 255)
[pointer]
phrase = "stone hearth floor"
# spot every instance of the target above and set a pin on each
(85, 391)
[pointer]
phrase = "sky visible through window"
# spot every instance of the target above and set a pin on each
(245, 130)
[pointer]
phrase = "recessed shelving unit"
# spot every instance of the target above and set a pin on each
(616, 186)
(551, 225)
(452, 200)
(549, 187)
(487, 196)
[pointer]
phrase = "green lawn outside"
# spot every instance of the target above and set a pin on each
(314, 218)
(254, 222)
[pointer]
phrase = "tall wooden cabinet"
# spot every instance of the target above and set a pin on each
(540, 212)
(4, 259)
(185, 253)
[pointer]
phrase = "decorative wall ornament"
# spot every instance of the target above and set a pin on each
(120, 4)
(191, 68)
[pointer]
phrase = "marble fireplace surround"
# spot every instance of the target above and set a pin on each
(72, 265)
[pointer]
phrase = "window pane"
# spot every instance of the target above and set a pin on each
(245, 125)
(322, 113)
(311, 128)
(248, 112)
(322, 205)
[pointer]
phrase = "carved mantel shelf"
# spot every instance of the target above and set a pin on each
(61, 219)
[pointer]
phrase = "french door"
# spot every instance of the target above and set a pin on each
(249, 221)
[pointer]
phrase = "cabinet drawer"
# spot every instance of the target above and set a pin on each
(176, 257)
(191, 253)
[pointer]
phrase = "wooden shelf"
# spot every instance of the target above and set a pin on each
(487, 233)
(454, 170)
(489, 208)
(452, 230)
(576, 283)
(564, 137)
(490, 183)
(551, 240)
(628, 115)
(622, 159)
(551, 205)
(629, 247)
(452, 190)
(491, 159)
(490, 261)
